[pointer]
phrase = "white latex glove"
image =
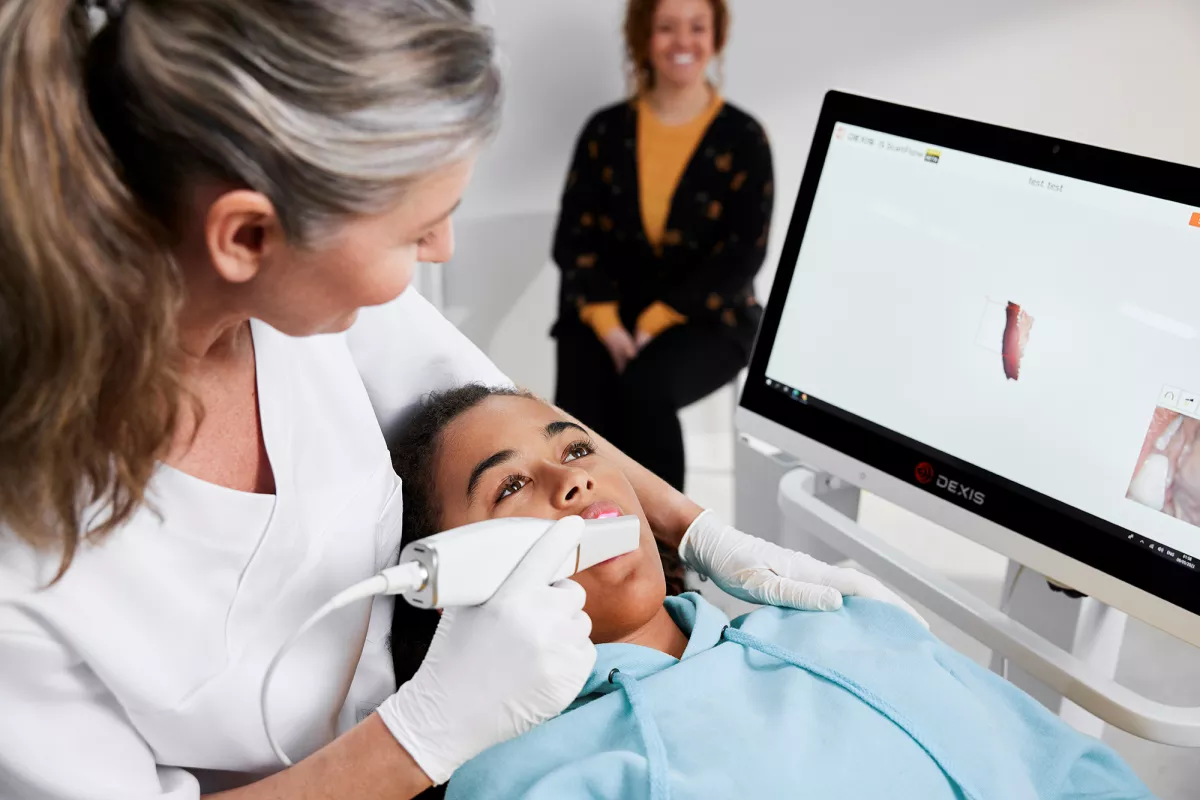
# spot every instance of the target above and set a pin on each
(495, 671)
(761, 572)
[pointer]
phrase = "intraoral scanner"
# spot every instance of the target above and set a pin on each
(464, 567)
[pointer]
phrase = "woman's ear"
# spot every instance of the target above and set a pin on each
(241, 230)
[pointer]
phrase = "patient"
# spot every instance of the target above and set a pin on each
(683, 703)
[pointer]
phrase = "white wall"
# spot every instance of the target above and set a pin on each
(1119, 73)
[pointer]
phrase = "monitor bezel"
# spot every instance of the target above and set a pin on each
(1058, 540)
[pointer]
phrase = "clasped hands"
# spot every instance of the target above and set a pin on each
(623, 346)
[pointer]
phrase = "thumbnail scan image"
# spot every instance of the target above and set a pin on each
(1004, 330)
(1167, 474)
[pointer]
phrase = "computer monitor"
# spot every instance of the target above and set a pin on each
(1001, 332)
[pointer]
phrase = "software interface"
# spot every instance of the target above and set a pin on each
(1042, 328)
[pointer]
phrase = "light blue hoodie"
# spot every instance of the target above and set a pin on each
(859, 703)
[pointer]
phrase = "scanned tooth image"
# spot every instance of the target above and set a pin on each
(1004, 328)
(1167, 474)
(1016, 335)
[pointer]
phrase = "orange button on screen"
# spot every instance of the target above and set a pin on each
(1195, 222)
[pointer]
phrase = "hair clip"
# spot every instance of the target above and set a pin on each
(101, 13)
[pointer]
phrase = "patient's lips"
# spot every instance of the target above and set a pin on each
(602, 509)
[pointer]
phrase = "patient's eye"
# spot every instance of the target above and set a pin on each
(512, 484)
(578, 450)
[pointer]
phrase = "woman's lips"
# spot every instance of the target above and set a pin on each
(602, 509)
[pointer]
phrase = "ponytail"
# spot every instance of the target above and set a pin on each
(89, 376)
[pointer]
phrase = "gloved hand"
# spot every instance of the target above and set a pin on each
(495, 671)
(761, 572)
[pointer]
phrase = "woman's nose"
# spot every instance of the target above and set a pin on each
(440, 247)
(574, 485)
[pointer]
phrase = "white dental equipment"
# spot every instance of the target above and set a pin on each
(464, 567)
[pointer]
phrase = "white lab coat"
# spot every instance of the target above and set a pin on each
(137, 676)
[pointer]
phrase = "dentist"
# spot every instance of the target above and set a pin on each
(190, 191)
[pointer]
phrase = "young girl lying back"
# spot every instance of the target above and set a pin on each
(682, 703)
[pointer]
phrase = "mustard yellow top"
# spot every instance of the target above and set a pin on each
(600, 317)
(663, 153)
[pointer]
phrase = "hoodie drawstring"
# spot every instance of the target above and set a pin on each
(862, 693)
(656, 751)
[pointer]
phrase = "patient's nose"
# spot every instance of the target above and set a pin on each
(574, 484)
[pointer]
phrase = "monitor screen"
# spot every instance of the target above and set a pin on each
(1005, 320)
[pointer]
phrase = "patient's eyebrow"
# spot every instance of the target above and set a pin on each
(555, 428)
(494, 460)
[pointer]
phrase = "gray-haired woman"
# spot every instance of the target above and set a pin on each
(189, 189)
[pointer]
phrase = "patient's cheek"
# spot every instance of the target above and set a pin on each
(624, 595)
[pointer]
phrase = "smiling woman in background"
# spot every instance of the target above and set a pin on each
(663, 227)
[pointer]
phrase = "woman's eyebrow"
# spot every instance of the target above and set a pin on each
(440, 217)
(494, 460)
(557, 427)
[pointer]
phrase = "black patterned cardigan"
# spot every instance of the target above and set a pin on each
(716, 233)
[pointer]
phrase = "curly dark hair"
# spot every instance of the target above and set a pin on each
(639, 27)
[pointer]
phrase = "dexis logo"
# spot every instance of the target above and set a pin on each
(926, 474)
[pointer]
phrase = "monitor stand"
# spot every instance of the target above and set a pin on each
(1069, 646)
(1090, 630)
